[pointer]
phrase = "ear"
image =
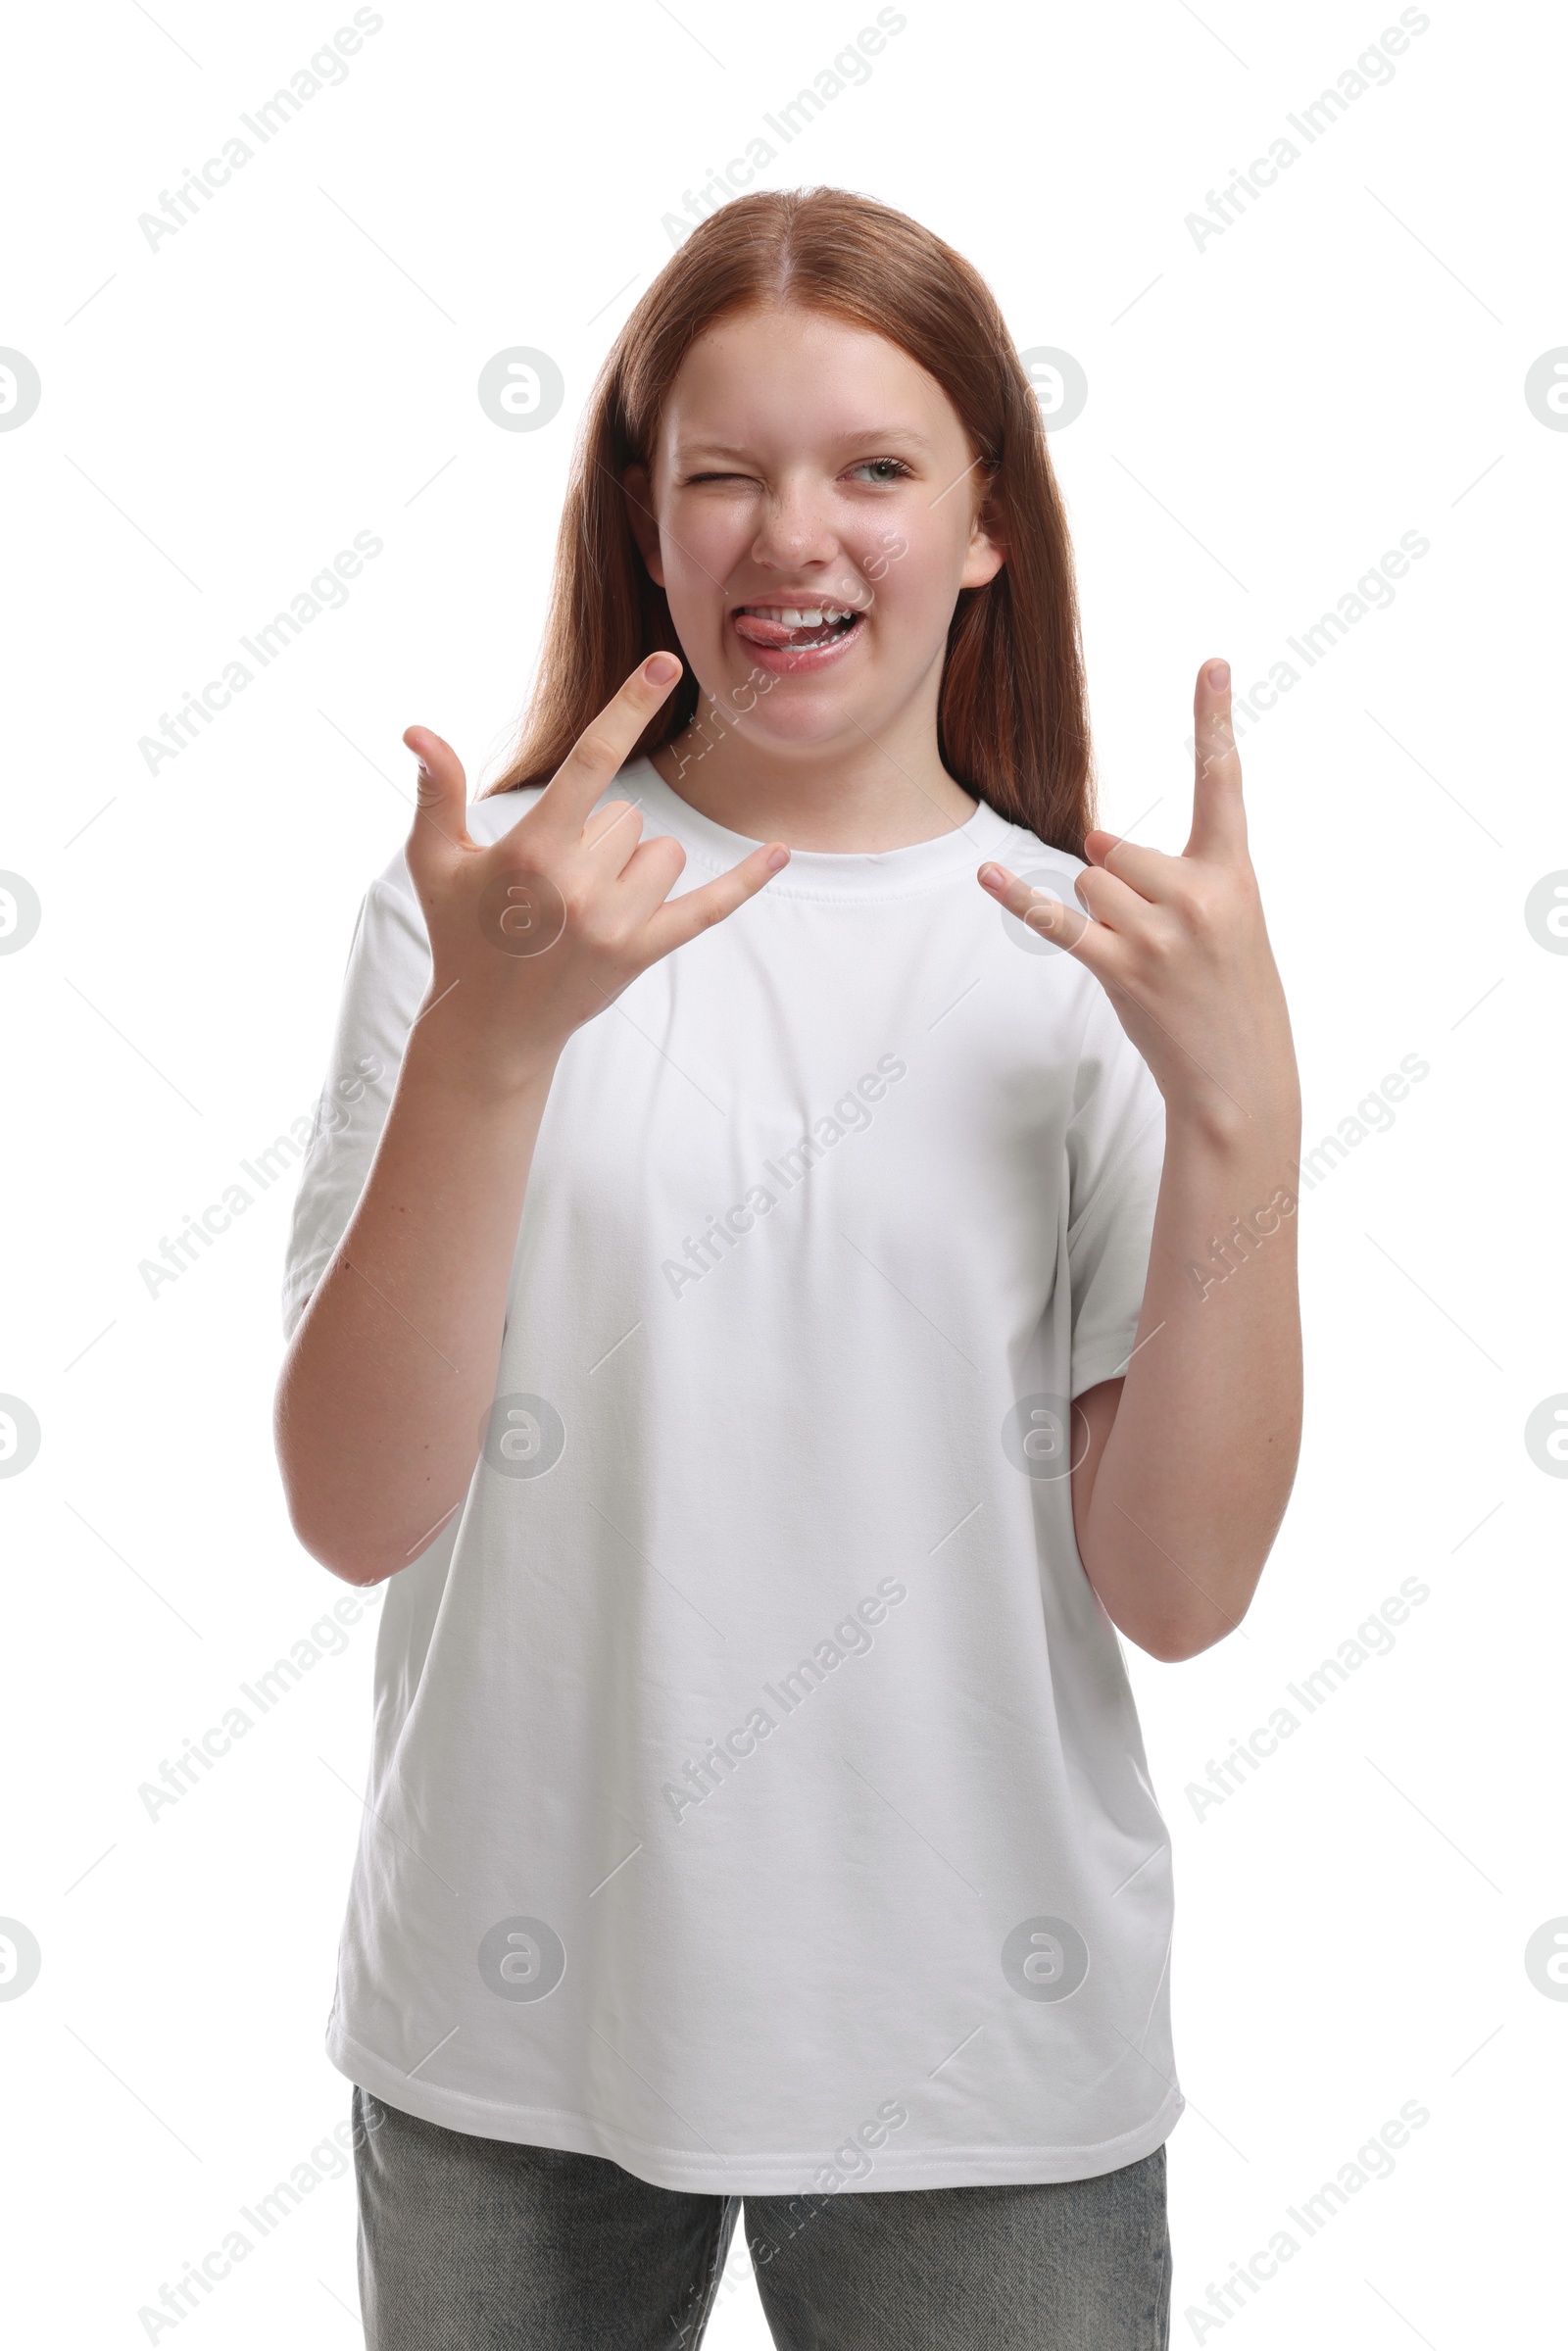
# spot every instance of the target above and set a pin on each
(986, 550)
(639, 494)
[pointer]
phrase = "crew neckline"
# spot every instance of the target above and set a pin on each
(818, 872)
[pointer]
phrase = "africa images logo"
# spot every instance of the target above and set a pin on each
(521, 1959)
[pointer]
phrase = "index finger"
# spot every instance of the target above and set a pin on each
(1219, 820)
(601, 750)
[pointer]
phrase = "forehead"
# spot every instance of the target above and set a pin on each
(796, 377)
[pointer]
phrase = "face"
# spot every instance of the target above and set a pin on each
(813, 502)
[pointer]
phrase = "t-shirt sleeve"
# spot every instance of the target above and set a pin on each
(383, 987)
(1115, 1153)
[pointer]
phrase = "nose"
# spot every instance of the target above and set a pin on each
(796, 529)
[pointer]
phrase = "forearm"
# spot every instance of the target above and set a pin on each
(1198, 1467)
(392, 1368)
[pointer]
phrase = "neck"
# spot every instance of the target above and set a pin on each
(866, 791)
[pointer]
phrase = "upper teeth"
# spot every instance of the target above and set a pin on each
(801, 616)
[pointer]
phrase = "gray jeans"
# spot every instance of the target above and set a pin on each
(477, 2244)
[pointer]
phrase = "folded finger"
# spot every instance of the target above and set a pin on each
(1151, 872)
(1113, 899)
(612, 833)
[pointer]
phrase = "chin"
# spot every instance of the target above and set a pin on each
(805, 721)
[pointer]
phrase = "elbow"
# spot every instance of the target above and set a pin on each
(1174, 1644)
(341, 1529)
(1174, 1639)
(335, 1549)
(320, 1528)
(315, 1502)
(1174, 1626)
(356, 1570)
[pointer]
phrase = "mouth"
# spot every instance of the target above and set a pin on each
(799, 636)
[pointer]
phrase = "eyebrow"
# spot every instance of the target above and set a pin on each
(858, 437)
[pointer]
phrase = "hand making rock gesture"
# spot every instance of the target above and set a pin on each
(1179, 943)
(534, 935)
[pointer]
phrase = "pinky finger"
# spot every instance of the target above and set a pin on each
(1042, 912)
(685, 918)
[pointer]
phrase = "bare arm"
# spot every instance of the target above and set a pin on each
(1183, 1466)
(391, 1370)
(1189, 1459)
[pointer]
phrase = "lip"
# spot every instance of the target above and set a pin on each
(789, 661)
(788, 599)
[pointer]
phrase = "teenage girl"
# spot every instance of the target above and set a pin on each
(801, 1255)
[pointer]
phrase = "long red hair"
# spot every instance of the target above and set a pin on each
(1012, 720)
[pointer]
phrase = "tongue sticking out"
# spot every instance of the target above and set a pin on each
(757, 629)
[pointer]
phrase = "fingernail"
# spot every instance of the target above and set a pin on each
(990, 877)
(659, 668)
(1219, 675)
(777, 857)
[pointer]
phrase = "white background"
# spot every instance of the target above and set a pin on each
(1267, 414)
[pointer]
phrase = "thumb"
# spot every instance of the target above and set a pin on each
(441, 797)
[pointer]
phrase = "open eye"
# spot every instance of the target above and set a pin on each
(884, 468)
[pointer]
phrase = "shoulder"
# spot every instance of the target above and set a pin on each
(1023, 853)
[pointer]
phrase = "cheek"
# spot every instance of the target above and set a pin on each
(911, 568)
(701, 545)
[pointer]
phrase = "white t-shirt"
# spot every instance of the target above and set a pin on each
(758, 1797)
